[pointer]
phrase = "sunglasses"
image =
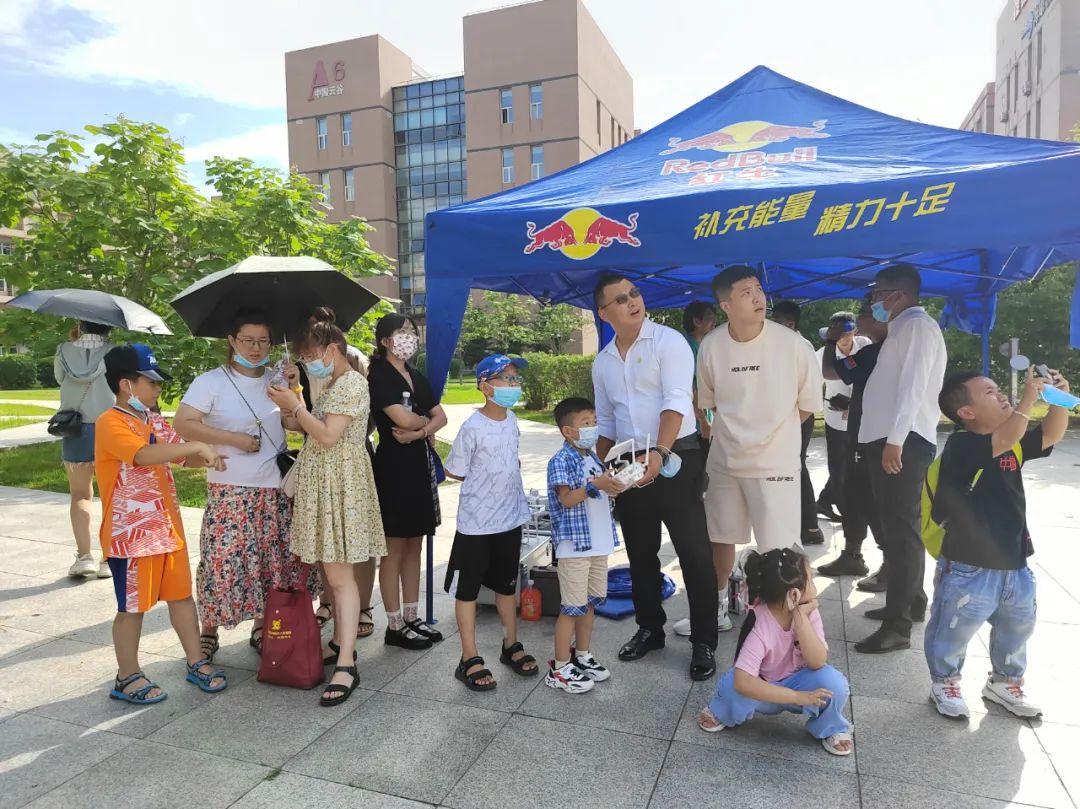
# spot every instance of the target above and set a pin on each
(623, 298)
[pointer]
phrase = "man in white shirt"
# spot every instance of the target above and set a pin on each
(899, 427)
(643, 381)
(761, 381)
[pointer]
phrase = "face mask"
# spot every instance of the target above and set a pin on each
(587, 437)
(244, 362)
(671, 466)
(506, 397)
(405, 346)
(135, 403)
(880, 313)
(319, 369)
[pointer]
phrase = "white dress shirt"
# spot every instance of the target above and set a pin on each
(837, 419)
(657, 375)
(901, 394)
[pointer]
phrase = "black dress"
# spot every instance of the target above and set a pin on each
(403, 477)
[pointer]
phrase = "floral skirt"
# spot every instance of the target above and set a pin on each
(244, 546)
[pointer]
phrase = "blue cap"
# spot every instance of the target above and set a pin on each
(136, 358)
(493, 365)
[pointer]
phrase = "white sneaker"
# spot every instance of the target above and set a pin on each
(1011, 697)
(83, 566)
(682, 627)
(948, 700)
(104, 571)
(569, 678)
(589, 667)
(723, 623)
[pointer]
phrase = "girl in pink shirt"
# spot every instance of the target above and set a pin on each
(781, 659)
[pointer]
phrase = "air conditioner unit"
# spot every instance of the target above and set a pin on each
(1027, 88)
(1004, 116)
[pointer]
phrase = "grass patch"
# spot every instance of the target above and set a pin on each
(20, 415)
(36, 395)
(10, 422)
(461, 392)
(542, 416)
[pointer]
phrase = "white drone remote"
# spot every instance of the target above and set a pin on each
(627, 472)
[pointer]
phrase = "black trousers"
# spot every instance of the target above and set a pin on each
(836, 445)
(898, 499)
(677, 503)
(858, 510)
(809, 504)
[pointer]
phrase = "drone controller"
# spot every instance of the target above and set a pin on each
(625, 468)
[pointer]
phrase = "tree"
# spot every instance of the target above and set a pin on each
(124, 219)
(512, 324)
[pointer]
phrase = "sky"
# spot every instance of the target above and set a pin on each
(213, 72)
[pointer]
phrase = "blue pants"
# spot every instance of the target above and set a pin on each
(732, 708)
(965, 597)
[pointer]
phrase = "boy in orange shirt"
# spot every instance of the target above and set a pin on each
(141, 531)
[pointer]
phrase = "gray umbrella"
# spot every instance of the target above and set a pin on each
(93, 307)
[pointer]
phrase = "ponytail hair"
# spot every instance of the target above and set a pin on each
(321, 331)
(769, 576)
(387, 325)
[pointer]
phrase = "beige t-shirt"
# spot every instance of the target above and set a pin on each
(756, 390)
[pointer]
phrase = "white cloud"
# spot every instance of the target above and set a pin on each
(267, 145)
(182, 118)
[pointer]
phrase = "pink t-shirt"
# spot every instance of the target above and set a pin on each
(771, 652)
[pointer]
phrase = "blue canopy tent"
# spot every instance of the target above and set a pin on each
(817, 192)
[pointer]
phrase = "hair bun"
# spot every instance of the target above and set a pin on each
(323, 314)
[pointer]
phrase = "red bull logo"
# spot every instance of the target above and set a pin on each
(746, 135)
(580, 233)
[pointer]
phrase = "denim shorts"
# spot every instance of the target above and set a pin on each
(79, 448)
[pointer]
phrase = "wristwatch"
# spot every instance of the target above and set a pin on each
(591, 490)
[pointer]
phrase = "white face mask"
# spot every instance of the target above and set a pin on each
(404, 345)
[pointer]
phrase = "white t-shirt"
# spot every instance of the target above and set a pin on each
(213, 395)
(757, 389)
(485, 454)
(837, 419)
(598, 512)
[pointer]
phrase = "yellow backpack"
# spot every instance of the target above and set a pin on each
(933, 533)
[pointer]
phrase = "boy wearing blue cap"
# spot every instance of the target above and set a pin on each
(491, 510)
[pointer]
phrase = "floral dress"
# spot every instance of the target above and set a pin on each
(336, 514)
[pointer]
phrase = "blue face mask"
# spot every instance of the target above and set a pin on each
(587, 437)
(244, 362)
(136, 404)
(671, 466)
(506, 397)
(319, 369)
(880, 313)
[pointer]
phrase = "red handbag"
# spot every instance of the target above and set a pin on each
(291, 645)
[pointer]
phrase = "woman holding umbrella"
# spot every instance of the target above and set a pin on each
(336, 519)
(244, 541)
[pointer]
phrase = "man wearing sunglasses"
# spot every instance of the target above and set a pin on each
(899, 431)
(643, 380)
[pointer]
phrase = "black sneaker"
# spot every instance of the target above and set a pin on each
(405, 638)
(828, 511)
(876, 583)
(879, 614)
(702, 662)
(424, 630)
(846, 564)
(812, 536)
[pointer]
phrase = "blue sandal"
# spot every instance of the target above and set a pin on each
(203, 680)
(138, 696)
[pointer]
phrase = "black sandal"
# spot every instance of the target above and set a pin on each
(209, 644)
(256, 642)
(321, 619)
(365, 628)
(422, 629)
(507, 657)
(331, 659)
(340, 692)
(470, 680)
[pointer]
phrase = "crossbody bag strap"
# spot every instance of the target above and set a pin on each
(67, 370)
(258, 420)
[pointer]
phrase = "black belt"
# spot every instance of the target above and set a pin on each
(687, 443)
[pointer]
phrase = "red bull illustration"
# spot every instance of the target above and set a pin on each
(580, 233)
(746, 135)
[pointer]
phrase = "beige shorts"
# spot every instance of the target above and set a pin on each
(582, 583)
(769, 507)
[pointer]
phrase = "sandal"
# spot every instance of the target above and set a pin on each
(507, 657)
(424, 630)
(321, 619)
(138, 696)
(470, 680)
(255, 641)
(705, 715)
(329, 660)
(831, 743)
(205, 680)
(339, 693)
(365, 628)
(209, 644)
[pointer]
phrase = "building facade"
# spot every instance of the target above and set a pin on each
(1038, 69)
(981, 116)
(541, 90)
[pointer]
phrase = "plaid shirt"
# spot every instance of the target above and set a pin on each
(567, 468)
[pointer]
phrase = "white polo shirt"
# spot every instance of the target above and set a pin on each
(838, 419)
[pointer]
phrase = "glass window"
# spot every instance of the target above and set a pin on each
(324, 181)
(413, 91)
(320, 131)
(1027, 125)
(427, 118)
(346, 129)
(425, 103)
(453, 149)
(399, 93)
(440, 152)
(429, 153)
(442, 171)
(439, 99)
(399, 106)
(537, 161)
(413, 104)
(401, 156)
(506, 104)
(507, 166)
(536, 101)
(439, 86)
(1030, 66)
(440, 115)
(427, 134)
(350, 188)
(425, 89)
(414, 120)
(455, 171)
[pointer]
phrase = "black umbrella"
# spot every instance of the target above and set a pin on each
(287, 289)
(93, 307)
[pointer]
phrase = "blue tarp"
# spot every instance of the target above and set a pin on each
(817, 192)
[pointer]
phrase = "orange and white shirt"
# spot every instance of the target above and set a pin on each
(140, 511)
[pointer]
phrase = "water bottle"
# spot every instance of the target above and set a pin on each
(406, 401)
(531, 607)
(1054, 396)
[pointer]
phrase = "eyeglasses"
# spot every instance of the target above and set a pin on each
(877, 294)
(249, 343)
(510, 380)
(623, 298)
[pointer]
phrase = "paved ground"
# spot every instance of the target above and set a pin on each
(414, 736)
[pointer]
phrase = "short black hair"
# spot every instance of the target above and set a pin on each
(567, 408)
(729, 277)
(695, 311)
(900, 275)
(954, 394)
(605, 280)
(842, 317)
(87, 327)
(789, 310)
(121, 362)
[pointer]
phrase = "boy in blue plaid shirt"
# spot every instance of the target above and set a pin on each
(583, 535)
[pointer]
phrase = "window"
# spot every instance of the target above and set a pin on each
(612, 136)
(537, 161)
(1038, 118)
(324, 181)
(506, 104)
(350, 187)
(1016, 84)
(508, 166)
(1027, 124)
(536, 101)
(598, 120)
(346, 129)
(1038, 59)
(1008, 92)
(320, 131)
(1030, 67)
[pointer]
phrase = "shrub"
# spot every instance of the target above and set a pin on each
(552, 377)
(45, 376)
(17, 372)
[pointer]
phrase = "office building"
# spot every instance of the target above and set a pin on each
(981, 116)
